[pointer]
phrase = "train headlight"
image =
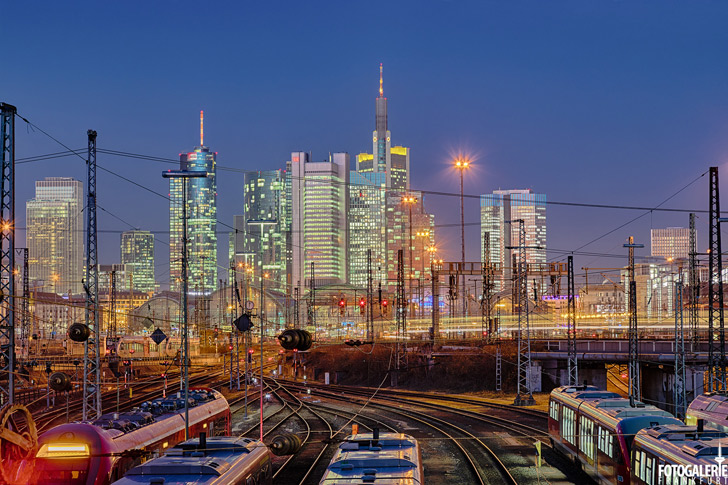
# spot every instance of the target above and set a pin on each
(63, 450)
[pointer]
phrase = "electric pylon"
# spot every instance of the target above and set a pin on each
(487, 300)
(571, 326)
(716, 346)
(524, 396)
(401, 318)
(634, 362)
(694, 288)
(111, 330)
(7, 254)
(679, 397)
(370, 297)
(91, 409)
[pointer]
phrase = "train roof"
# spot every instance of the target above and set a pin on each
(681, 444)
(187, 464)
(391, 458)
(136, 428)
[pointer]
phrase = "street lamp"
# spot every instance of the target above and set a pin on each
(184, 175)
(462, 164)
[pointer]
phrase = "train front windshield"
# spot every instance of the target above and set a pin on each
(62, 463)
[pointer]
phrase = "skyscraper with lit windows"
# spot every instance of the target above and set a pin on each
(201, 221)
(54, 220)
(499, 212)
(264, 237)
(319, 202)
(392, 161)
(137, 256)
(367, 227)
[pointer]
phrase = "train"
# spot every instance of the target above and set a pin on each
(596, 429)
(712, 408)
(679, 455)
(221, 460)
(99, 452)
(386, 458)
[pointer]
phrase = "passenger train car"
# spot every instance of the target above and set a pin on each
(99, 452)
(386, 459)
(712, 408)
(597, 428)
(678, 455)
(221, 460)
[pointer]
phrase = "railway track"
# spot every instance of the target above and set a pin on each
(483, 464)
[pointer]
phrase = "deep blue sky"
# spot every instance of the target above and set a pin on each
(613, 102)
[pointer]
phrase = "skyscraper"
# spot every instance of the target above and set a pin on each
(319, 199)
(367, 227)
(137, 254)
(670, 243)
(201, 221)
(54, 220)
(393, 161)
(264, 238)
(499, 212)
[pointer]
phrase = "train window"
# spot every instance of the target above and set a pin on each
(637, 462)
(554, 410)
(569, 425)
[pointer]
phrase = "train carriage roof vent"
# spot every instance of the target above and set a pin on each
(156, 481)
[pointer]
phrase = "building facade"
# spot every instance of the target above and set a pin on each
(55, 235)
(367, 227)
(671, 243)
(137, 254)
(201, 197)
(319, 201)
(499, 212)
(264, 235)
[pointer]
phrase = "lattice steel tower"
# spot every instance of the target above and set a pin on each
(524, 397)
(92, 372)
(716, 347)
(7, 254)
(679, 396)
(573, 368)
(634, 362)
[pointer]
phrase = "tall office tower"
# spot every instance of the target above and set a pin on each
(393, 161)
(201, 222)
(498, 213)
(670, 243)
(412, 229)
(55, 233)
(367, 229)
(264, 239)
(137, 253)
(319, 196)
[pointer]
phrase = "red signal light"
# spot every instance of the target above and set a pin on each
(342, 303)
(384, 302)
(362, 302)
(250, 351)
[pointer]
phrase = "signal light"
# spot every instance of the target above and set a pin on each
(295, 339)
(342, 303)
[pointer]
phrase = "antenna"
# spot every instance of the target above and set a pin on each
(202, 124)
(381, 83)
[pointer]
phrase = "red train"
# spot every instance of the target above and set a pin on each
(596, 428)
(712, 408)
(103, 451)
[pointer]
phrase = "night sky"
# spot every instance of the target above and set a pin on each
(604, 102)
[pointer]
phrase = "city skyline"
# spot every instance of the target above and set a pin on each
(584, 132)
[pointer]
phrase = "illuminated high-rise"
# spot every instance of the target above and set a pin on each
(392, 161)
(201, 221)
(319, 200)
(670, 243)
(137, 256)
(367, 227)
(54, 220)
(499, 212)
(264, 237)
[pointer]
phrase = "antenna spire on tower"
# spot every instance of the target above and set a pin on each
(202, 131)
(381, 83)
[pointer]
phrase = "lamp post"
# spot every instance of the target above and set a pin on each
(184, 175)
(462, 163)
